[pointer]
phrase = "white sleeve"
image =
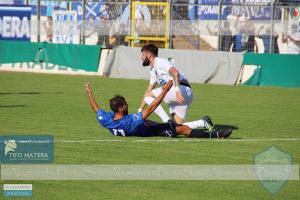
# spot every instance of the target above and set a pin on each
(152, 77)
(164, 65)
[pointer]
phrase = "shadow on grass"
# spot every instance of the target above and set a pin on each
(12, 106)
(10, 93)
(223, 127)
(233, 138)
(232, 127)
(28, 93)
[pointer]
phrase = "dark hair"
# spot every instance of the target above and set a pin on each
(117, 102)
(151, 48)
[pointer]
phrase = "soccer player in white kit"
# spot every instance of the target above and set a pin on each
(179, 97)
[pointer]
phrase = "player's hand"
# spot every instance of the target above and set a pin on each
(179, 97)
(168, 85)
(88, 87)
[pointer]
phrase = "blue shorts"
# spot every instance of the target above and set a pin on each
(161, 129)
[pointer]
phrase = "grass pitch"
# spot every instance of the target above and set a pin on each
(58, 105)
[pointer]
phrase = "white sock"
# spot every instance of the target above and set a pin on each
(195, 124)
(159, 110)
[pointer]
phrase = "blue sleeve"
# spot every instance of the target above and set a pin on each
(102, 116)
(137, 118)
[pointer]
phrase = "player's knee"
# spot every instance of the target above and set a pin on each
(177, 119)
(149, 94)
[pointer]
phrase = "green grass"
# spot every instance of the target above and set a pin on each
(57, 105)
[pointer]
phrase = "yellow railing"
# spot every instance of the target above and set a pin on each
(159, 12)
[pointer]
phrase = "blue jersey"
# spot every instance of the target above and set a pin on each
(129, 125)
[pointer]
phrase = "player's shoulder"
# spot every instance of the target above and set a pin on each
(102, 112)
(161, 62)
(134, 118)
(103, 115)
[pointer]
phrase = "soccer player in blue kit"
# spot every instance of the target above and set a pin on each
(120, 123)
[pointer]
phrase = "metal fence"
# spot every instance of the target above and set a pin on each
(77, 21)
(263, 26)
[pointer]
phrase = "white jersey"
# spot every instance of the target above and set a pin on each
(160, 72)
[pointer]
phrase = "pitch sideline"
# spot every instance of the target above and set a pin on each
(180, 140)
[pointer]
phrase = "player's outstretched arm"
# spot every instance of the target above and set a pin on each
(174, 72)
(93, 103)
(146, 112)
(149, 89)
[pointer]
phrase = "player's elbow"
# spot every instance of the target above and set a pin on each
(148, 93)
(95, 108)
(151, 108)
(174, 72)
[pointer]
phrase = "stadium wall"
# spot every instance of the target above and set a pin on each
(198, 66)
(124, 62)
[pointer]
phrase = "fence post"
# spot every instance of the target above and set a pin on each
(271, 49)
(132, 24)
(170, 25)
(69, 6)
(83, 23)
(167, 26)
(220, 23)
(39, 20)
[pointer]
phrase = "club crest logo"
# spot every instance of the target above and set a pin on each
(10, 146)
(295, 13)
(272, 167)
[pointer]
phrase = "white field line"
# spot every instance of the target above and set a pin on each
(184, 140)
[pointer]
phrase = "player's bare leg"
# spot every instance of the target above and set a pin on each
(204, 122)
(183, 130)
(177, 119)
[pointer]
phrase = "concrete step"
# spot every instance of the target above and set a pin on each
(179, 42)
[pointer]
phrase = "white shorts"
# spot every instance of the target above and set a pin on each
(179, 109)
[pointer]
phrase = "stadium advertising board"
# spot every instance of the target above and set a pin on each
(250, 9)
(15, 23)
(43, 67)
(50, 68)
(210, 10)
